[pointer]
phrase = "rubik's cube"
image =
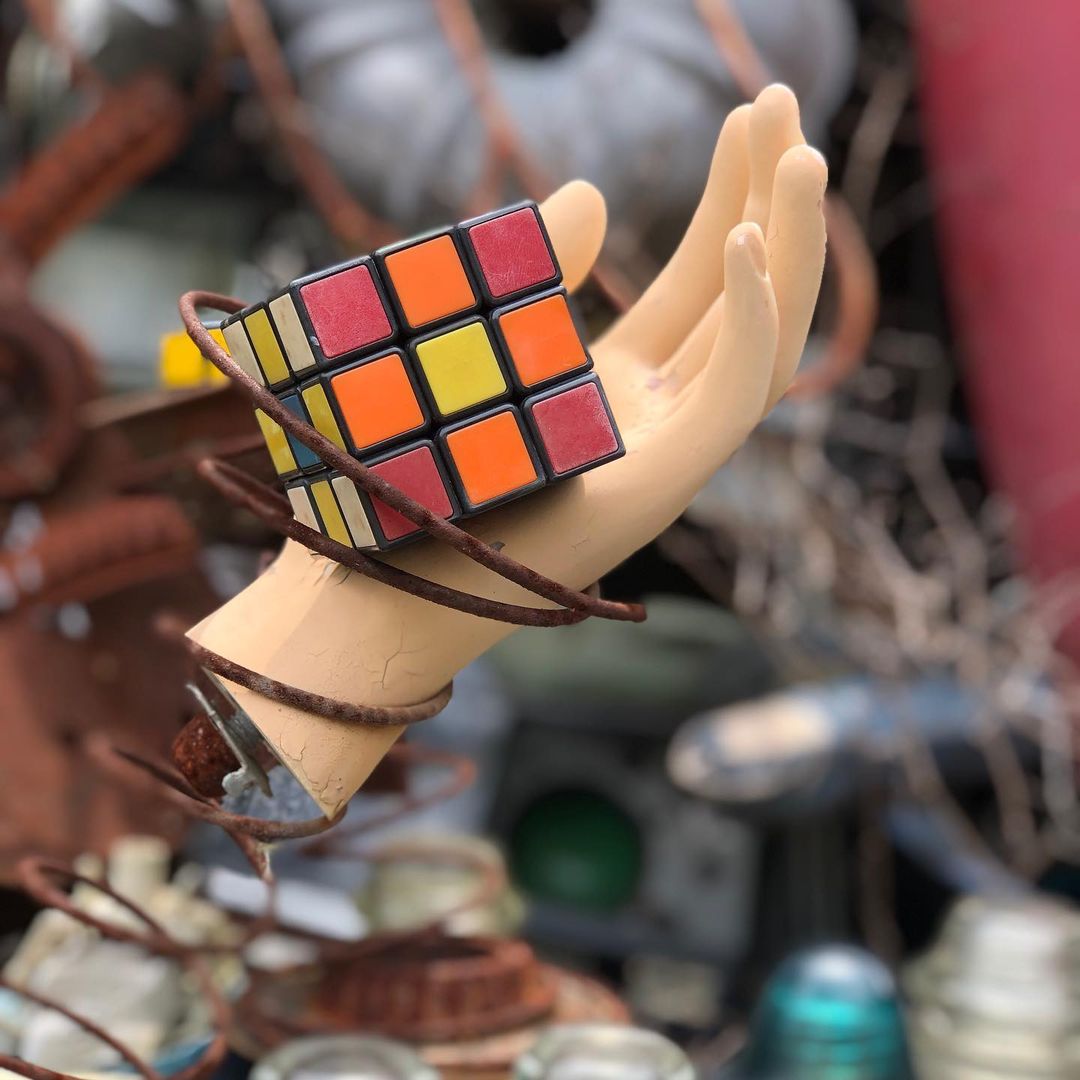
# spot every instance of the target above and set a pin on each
(450, 364)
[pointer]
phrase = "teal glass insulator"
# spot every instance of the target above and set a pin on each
(829, 1013)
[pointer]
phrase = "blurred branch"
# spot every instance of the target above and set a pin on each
(733, 42)
(355, 227)
(505, 148)
(856, 280)
(880, 558)
(874, 134)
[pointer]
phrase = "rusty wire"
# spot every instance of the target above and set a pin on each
(243, 489)
(271, 509)
(34, 350)
(316, 703)
(134, 130)
(351, 223)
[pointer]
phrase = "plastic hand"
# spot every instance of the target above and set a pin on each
(689, 372)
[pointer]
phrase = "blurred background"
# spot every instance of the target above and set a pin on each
(818, 817)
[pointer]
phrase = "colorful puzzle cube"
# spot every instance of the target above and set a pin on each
(450, 364)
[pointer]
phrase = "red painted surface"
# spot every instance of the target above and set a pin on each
(512, 252)
(416, 474)
(574, 428)
(1001, 100)
(346, 311)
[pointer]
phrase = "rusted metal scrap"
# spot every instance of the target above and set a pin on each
(135, 129)
(68, 669)
(439, 993)
(45, 378)
(437, 988)
(85, 567)
(87, 553)
(83, 572)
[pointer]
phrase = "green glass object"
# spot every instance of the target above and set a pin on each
(577, 848)
(827, 1014)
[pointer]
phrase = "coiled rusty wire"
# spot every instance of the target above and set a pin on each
(275, 512)
(46, 376)
(272, 508)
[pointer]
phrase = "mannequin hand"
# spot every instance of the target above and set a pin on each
(689, 372)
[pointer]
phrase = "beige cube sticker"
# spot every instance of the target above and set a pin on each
(353, 511)
(236, 340)
(291, 331)
(303, 511)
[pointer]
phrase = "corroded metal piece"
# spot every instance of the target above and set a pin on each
(279, 1008)
(437, 988)
(426, 987)
(203, 756)
(135, 130)
(86, 554)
